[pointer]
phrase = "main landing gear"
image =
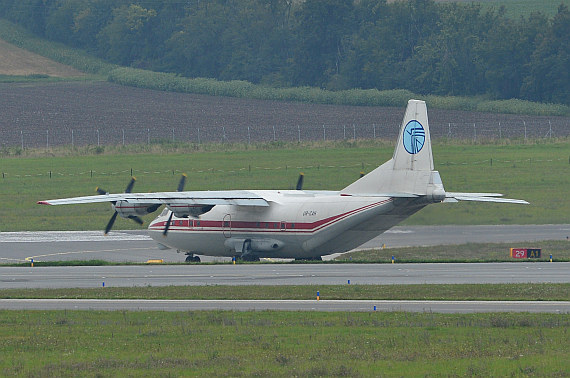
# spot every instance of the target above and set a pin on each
(190, 258)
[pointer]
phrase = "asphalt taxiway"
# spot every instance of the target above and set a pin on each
(523, 273)
(463, 307)
(136, 246)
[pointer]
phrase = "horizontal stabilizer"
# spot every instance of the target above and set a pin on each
(481, 197)
(390, 195)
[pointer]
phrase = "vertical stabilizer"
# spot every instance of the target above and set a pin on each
(413, 150)
(410, 169)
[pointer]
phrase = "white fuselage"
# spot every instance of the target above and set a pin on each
(299, 224)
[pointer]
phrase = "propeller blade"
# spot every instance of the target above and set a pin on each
(180, 188)
(136, 219)
(111, 222)
(300, 181)
(167, 226)
(130, 186)
(101, 191)
(182, 183)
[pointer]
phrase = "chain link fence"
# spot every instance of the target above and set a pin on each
(287, 133)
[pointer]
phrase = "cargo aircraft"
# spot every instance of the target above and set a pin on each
(300, 224)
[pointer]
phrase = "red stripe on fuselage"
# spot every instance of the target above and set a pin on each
(262, 227)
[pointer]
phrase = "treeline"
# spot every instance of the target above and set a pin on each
(418, 45)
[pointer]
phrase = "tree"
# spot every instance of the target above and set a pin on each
(321, 30)
(549, 69)
(123, 40)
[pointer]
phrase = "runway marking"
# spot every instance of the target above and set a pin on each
(71, 236)
(81, 252)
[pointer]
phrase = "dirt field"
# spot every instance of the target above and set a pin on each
(99, 113)
(16, 61)
(102, 113)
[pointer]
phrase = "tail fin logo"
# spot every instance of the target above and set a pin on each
(414, 137)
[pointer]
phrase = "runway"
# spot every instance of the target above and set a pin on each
(282, 274)
(136, 246)
(463, 307)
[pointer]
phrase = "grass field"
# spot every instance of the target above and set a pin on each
(75, 343)
(537, 172)
(471, 252)
(489, 292)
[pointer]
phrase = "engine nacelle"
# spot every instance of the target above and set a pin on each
(182, 210)
(126, 209)
(253, 245)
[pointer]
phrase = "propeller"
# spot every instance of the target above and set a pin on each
(300, 181)
(180, 188)
(128, 189)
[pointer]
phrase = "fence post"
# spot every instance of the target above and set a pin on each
(324, 133)
(147, 136)
(299, 132)
(72, 141)
(22, 138)
(343, 131)
(274, 133)
(123, 137)
(550, 130)
(198, 135)
(474, 132)
(248, 136)
(353, 132)
(374, 130)
(524, 123)
(500, 132)
(98, 139)
(47, 139)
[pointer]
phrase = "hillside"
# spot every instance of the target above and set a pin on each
(15, 61)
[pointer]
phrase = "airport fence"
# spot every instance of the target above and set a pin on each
(559, 127)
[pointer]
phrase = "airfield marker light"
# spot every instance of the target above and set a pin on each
(550, 257)
(374, 307)
(103, 283)
(318, 296)
(32, 260)
(349, 282)
(393, 258)
(234, 260)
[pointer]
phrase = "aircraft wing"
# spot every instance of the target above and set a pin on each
(232, 197)
(480, 197)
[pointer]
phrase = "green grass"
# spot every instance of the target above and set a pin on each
(78, 343)
(490, 292)
(472, 252)
(538, 172)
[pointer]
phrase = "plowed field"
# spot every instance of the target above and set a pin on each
(82, 113)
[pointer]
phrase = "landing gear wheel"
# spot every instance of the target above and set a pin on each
(192, 258)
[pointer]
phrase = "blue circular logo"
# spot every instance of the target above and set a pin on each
(414, 137)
